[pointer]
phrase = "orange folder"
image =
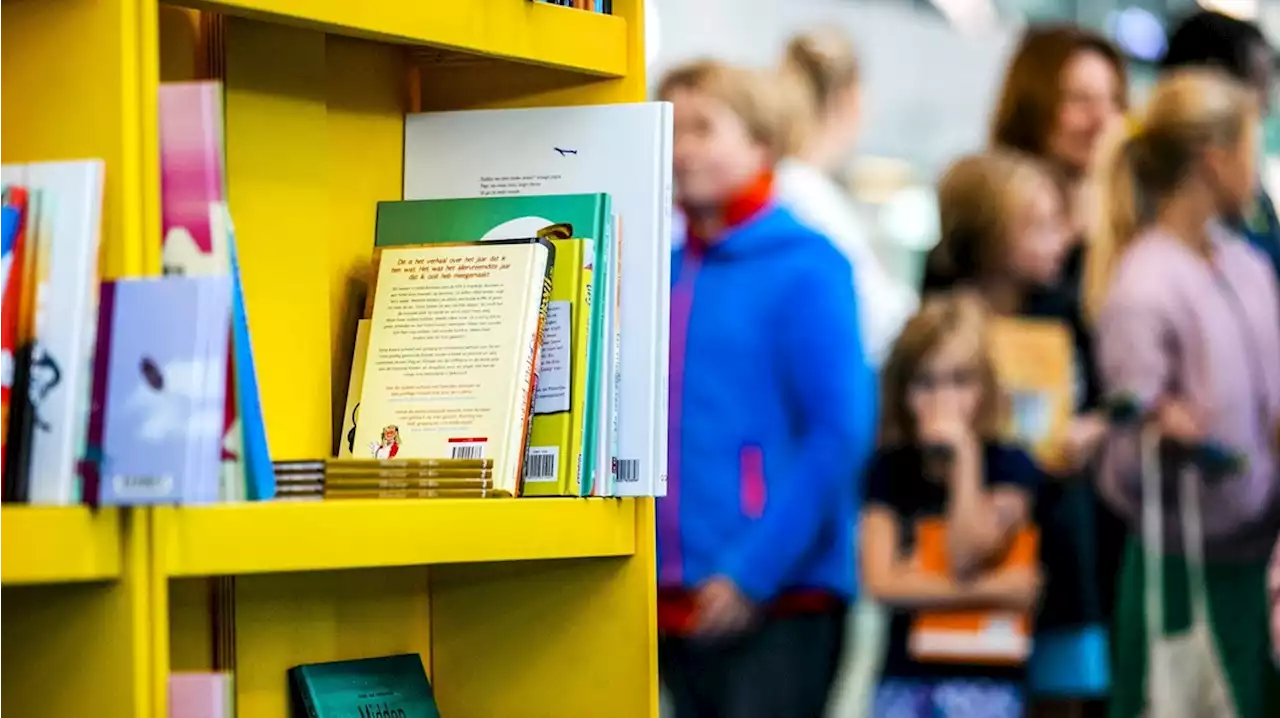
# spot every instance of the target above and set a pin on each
(971, 636)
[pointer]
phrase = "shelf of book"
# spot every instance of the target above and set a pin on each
(512, 30)
(285, 536)
(103, 606)
(59, 544)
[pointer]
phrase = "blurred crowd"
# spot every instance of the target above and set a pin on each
(855, 524)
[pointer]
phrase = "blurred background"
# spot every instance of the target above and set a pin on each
(930, 71)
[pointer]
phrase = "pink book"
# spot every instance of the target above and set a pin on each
(201, 695)
(192, 177)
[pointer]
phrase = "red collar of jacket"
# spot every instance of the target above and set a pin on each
(744, 205)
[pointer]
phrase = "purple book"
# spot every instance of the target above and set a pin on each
(155, 426)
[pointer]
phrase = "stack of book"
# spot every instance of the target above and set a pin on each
(601, 6)
(387, 479)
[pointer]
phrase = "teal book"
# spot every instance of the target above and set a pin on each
(385, 687)
(512, 217)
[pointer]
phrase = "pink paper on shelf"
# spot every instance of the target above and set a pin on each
(201, 695)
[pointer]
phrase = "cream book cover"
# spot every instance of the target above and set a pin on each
(454, 337)
(1033, 359)
(347, 443)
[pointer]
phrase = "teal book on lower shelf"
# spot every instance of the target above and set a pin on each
(384, 687)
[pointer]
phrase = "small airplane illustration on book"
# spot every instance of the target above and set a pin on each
(564, 152)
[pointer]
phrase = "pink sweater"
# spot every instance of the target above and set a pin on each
(1209, 333)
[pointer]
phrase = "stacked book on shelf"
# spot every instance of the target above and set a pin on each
(387, 479)
(506, 318)
(601, 6)
(507, 326)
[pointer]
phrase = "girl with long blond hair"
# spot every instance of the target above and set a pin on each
(1189, 332)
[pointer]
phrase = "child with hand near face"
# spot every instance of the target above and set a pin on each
(940, 458)
(1006, 235)
(771, 415)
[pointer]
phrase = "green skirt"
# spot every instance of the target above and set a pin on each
(1238, 611)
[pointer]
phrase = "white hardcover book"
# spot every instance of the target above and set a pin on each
(621, 149)
(68, 227)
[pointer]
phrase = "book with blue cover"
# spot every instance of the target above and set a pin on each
(383, 687)
(156, 421)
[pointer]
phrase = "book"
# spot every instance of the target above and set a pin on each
(360, 483)
(404, 494)
(201, 695)
(64, 235)
(574, 367)
(623, 150)
(353, 465)
(386, 686)
(1034, 363)
(970, 636)
(156, 422)
(15, 215)
(453, 353)
(347, 442)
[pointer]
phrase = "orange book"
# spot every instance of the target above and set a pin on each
(970, 636)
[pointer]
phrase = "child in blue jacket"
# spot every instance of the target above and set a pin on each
(772, 415)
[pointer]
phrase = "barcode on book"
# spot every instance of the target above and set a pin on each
(628, 470)
(472, 450)
(542, 463)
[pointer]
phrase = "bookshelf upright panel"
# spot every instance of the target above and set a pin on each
(78, 643)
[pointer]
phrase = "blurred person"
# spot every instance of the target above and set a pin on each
(939, 388)
(821, 67)
(772, 416)
(1238, 48)
(1005, 234)
(1064, 88)
(1188, 323)
(824, 67)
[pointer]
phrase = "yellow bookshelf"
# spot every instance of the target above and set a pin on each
(519, 608)
(58, 544)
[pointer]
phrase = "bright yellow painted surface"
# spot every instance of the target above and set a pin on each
(286, 620)
(276, 134)
(365, 103)
(570, 639)
(75, 87)
(80, 649)
(59, 544)
(303, 536)
(516, 30)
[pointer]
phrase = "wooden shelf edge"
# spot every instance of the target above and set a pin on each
(58, 544)
(289, 536)
(513, 30)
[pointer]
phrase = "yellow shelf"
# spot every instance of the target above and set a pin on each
(58, 544)
(516, 30)
(286, 536)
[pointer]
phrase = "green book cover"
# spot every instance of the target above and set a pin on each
(385, 687)
(508, 217)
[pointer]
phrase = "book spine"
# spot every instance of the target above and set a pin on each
(531, 371)
(582, 428)
(91, 464)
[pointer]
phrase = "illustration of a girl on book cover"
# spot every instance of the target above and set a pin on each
(390, 445)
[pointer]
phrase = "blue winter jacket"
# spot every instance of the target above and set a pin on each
(772, 413)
